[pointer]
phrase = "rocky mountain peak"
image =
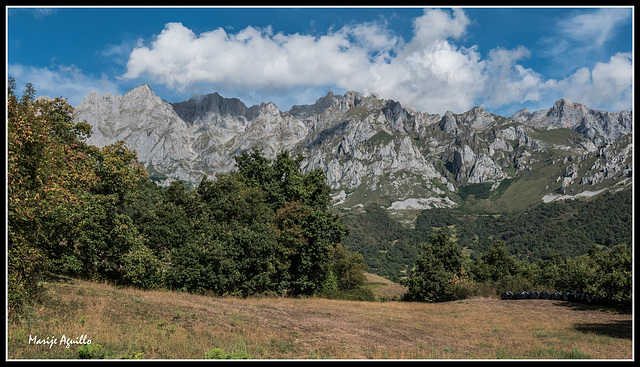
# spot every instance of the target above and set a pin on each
(521, 115)
(477, 118)
(600, 127)
(369, 148)
(350, 100)
(344, 103)
(209, 104)
(94, 98)
(140, 93)
(269, 108)
(147, 124)
(565, 113)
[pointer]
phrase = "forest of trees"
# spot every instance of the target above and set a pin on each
(442, 273)
(267, 227)
(566, 229)
(93, 213)
(572, 246)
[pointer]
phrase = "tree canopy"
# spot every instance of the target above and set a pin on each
(439, 264)
(65, 197)
(93, 213)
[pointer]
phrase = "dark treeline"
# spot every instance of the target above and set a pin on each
(93, 213)
(567, 228)
(387, 246)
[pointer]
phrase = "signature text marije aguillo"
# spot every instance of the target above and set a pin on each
(64, 340)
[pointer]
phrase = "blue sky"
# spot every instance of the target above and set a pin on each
(431, 59)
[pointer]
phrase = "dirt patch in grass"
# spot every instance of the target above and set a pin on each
(168, 325)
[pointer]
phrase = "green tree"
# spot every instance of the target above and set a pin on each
(495, 265)
(119, 172)
(550, 270)
(349, 268)
(305, 226)
(613, 276)
(49, 177)
(148, 195)
(105, 232)
(283, 180)
(440, 262)
(143, 268)
(574, 274)
(303, 232)
(230, 243)
(172, 230)
(66, 197)
(172, 220)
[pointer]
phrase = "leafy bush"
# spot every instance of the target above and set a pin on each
(90, 351)
(495, 265)
(347, 268)
(435, 274)
(459, 286)
(142, 267)
(613, 274)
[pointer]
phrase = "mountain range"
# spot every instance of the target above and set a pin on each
(374, 150)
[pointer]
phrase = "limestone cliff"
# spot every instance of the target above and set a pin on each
(371, 149)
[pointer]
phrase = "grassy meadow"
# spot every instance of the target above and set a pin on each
(124, 322)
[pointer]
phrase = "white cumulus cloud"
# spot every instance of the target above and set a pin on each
(250, 59)
(607, 85)
(431, 71)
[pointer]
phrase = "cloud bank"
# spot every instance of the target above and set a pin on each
(431, 72)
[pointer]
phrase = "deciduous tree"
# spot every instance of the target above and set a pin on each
(440, 260)
(49, 176)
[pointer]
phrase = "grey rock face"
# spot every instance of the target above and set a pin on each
(343, 103)
(209, 104)
(600, 127)
(363, 144)
(475, 168)
(148, 125)
(613, 160)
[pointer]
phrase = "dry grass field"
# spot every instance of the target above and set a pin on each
(131, 323)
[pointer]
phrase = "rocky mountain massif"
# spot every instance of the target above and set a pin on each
(375, 151)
